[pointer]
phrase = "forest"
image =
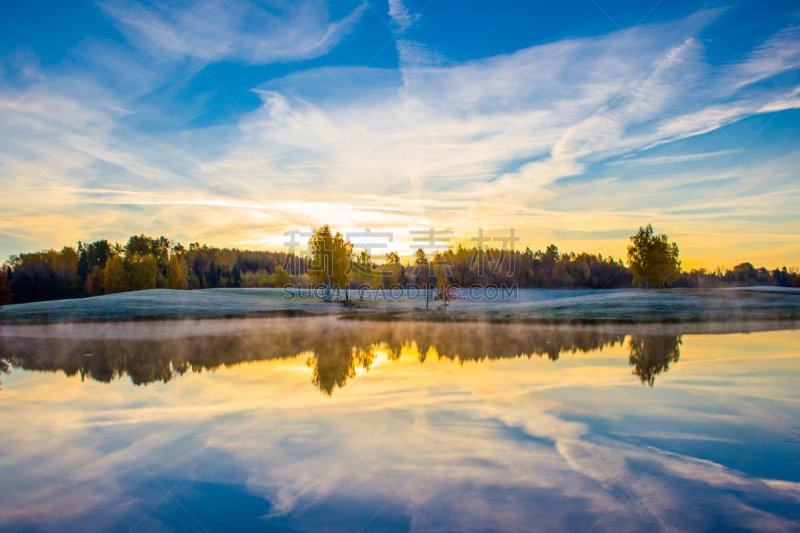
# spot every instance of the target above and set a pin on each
(97, 268)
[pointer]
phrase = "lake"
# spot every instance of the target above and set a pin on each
(321, 424)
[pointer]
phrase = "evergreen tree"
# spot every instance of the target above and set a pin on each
(213, 276)
(6, 293)
(94, 282)
(236, 277)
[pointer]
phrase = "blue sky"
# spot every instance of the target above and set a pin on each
(575, 122)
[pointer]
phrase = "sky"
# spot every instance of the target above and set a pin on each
(574, 123)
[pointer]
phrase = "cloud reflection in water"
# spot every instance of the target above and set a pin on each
(459, 427)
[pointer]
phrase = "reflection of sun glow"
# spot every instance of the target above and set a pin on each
(375, 357)
(380, 354)
(410, 349)
(432, 354)
(385, 349)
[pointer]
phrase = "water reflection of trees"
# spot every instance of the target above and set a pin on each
(334, 352)
(5, 367)
(651, 354)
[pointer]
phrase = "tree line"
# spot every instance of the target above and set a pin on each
(146, 262)
(142, 263)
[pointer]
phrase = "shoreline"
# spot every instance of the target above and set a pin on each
(702, 325)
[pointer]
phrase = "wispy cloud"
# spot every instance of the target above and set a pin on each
(778, 54)
(671, 159)
(235, 30)
(520, 139)
(400, 16)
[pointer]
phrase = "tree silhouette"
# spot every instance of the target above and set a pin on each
(6, 294)
(94, 281)
(236, 277)
(92, 257)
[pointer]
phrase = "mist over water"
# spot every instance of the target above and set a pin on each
(290, 424)
(333, 349)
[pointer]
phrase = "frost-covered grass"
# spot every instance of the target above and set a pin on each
(626, 305)
(161, 303)
(524, 304)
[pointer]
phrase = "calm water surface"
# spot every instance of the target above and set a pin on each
(330, 425)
